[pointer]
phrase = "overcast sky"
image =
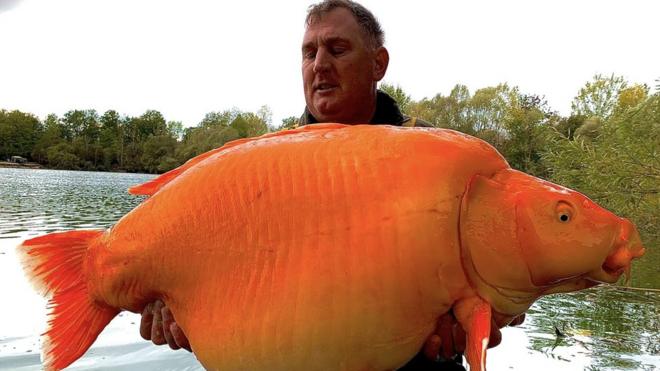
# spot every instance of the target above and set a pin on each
(188, 58)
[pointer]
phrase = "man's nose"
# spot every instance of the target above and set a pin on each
(322, 61)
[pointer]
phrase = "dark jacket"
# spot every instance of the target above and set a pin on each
(387, 113)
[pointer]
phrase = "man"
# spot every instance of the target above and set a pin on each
(343, 58)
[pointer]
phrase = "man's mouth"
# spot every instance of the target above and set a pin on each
(324, 87)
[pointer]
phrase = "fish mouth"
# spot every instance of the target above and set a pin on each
(617, 264)
(627, 248)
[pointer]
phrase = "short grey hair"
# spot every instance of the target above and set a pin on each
(365, 19)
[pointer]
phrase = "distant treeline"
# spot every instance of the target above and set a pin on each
(85, 140)
(608, 148)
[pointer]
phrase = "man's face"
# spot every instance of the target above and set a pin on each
(340, 69)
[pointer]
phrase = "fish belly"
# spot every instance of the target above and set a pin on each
(329, 251)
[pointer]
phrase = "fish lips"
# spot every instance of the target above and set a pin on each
(627, 248)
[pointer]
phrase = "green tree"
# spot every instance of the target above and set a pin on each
(527, 129)
(567, 126)
(265, 114)
(111, 139)
(81, 128)
(402, 99)
(51, 135)
(223, 118)
(18, 133)
(487, 110)
(590, 128)
(62, 156)
(150, 123)
(289, 123)
(451, 112)
(598, 97)
(248, 124)
(630, 97)
(158, 153)
(81, 123)
(175, 129)
(198, 140)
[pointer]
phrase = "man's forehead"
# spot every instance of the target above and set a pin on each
(329, 38)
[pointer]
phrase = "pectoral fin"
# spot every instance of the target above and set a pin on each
(474, 314)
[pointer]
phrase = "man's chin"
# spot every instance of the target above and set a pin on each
(327, 113)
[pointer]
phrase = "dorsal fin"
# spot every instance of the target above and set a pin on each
(152, 186)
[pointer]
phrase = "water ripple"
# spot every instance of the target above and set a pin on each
(42, 201)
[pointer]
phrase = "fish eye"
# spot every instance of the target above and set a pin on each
(564, 212)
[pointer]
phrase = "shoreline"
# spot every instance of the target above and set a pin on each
(14, 165)
(37, 166)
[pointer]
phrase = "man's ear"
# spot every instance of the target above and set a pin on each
(381, 60)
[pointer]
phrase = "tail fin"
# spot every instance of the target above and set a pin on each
(54, 264)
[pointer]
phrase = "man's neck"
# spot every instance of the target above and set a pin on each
(365, 116)
(384, 111)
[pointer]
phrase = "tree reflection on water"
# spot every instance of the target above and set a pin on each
(614, 326)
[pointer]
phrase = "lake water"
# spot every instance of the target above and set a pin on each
(606, 328)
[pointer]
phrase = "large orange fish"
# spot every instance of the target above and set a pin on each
(330, 247)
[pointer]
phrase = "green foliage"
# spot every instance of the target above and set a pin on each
(402, 99)
(590, 128)
(619, 167)
(289, 123)
(201, 139)
(61, 156)
(567, 126)
(630, 97)
(218, 128)
(150, 123)
(265, 114)
(175, 129)
(599, 97)
(526, 127)
(51, 135)
(83, 140)
(224, 118)
(80, 123)
(19, 132)
(158, 153)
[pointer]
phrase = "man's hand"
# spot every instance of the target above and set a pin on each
(448, 339)
(158, 325)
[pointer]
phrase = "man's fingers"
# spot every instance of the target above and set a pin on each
(495, 335)
(146, 321)
(445, 330)
(157, 336)
(168, 320)
(518, 320)
(432, 347)
(180, 337)
(459, 339)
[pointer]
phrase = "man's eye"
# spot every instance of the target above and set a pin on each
(337, 51)
(309, 54)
